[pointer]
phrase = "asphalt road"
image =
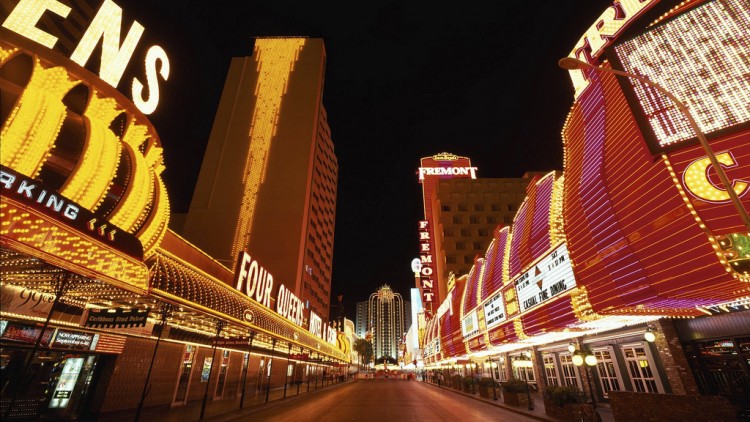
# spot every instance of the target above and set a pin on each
(381, 400)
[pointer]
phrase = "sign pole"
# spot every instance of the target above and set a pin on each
(166, 310)
(286, 376)
(268, 369)
(244, 378)
(219, 327)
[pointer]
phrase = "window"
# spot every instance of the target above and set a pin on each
(607, 370)
(568, 370)
(492, 220)
(457, 220)
(473, 219)
(462, 207)
(478, 207)
(510, 207)
(448, 232)
(477, 246)
(506, 220)
(483, 232)
(550, 370)
(468, 259)
(450, 259)
(460, 246)
(640, 369)
(446, 208)
(465, 232)
(495, 207)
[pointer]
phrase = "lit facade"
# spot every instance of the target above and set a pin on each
(386, 316)
(268, 180)
(468, 211)
(634, 255)
(361, 319)
(83, 227)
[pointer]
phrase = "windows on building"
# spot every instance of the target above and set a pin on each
(460, 246)
(491, 219)
(568, 370)
(448, 232)
(446, 208)
(457, 219)
(473, 219)
(640, 368)
(609, 377)
(462, 207)
(478, 207)
(477, 246)
(465, 232)
(550, 370)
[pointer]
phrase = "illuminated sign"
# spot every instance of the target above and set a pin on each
(426, 269)
(253, 280)
(546, 279)
(470, 324)
(494, 310)
(72, 340)
(66, 383)
(103, 29)
(599, 35)
(321, 330)
(447, 171)
(289, 306)
(23, 301)
(111, 318)
(707, 70)
(38, 196)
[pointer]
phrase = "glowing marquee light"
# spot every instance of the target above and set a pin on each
(275, 62)
(695, 178)
(599, 35)
(704, 66)
(104, 29)
(447, 171)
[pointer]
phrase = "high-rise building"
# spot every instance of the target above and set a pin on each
(268, 181)
(469, 210)
(461, 213)
(361, 319)
(386, 316)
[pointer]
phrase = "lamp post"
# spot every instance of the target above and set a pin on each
(579, 358)
(570, 63)
(526, 378)
(492, 365)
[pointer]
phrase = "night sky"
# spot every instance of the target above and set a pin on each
(404, 80)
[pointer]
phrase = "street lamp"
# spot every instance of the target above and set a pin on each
(492, 365)
(527, 355)
(585, 356)
(570, 63)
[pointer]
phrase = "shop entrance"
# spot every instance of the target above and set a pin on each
(722, 367)
(54, 385)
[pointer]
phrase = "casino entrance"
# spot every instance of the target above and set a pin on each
(55, 385)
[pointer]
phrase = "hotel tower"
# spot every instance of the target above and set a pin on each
(268, 181)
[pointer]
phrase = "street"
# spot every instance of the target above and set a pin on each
(385, 400)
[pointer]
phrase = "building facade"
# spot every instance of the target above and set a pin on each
(124, 304)
(627, 275)
(361, 319)
(386, 316)
(461, 211)
(468, 211)
(269, 176)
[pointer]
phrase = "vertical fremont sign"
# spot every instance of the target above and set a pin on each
(431, 281)
(427, 269)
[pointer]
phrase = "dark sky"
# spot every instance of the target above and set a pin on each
(404, 80)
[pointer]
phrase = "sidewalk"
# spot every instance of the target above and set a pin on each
(222, 410)
(538, 408)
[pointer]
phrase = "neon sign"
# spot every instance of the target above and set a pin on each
(104, 27)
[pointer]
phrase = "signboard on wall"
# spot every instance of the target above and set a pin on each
(546, 279)
(470, 324)
(494, 310)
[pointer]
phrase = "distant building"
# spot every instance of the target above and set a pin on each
(361, 319)
(461, 213)
(386, 316)
(269, 176)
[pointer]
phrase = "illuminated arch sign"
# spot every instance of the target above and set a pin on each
(105, 29)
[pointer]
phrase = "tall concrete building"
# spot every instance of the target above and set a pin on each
(361, 320)
(468, 211)
(386, 316)
(461, 213)
(268, 181)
